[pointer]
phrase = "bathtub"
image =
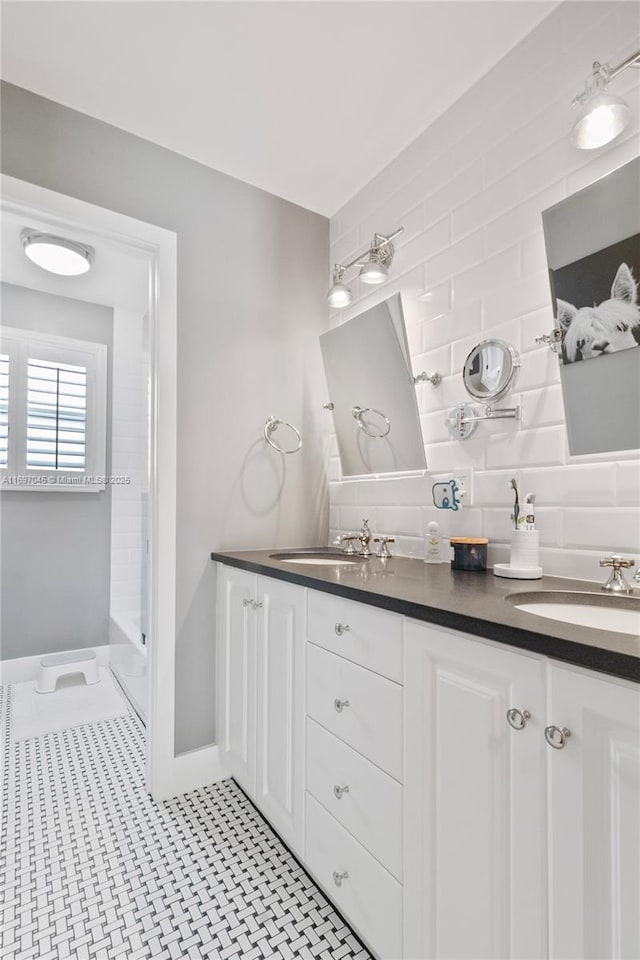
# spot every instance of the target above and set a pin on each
(128, 660)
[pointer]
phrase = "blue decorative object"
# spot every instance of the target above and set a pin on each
(445, 495)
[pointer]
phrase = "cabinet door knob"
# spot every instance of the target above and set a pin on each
(340, 705)
(256, 604)
(339, 791)
(556, 737)
(339, 877)
(518, 718)
(341, 628)
(247, 602)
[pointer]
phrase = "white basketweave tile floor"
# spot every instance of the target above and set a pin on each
(92, 867)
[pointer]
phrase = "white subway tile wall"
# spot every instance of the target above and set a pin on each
(470, 192)
(129, 461)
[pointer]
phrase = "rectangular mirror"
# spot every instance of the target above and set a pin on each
(593, 253)
(375, 411)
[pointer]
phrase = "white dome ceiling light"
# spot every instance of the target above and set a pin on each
(56, 254)
(374, 268)
(602, 116)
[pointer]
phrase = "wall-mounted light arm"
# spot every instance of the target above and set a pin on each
(378, 242)
(373, 264)
(603, 116)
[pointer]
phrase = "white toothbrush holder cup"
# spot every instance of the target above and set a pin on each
(525, 548)
(525, 557)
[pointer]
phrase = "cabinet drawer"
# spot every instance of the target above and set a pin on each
(371, 723)
(374, 637)
(369, 897)
(371, 807)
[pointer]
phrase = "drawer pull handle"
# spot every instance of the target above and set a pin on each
(518, 718)
(339, 877)
(556, 737)
(339, 791)
(341, 628)
(340, 704)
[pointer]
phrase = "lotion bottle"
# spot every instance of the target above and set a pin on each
(433, 543)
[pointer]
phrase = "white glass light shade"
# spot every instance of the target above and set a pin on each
(601, 120)
(373, 272)
(339, 295)
(56, 254)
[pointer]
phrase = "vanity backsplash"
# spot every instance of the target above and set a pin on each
(471, 265)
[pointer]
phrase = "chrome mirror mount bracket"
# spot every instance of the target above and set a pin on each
(463, 419)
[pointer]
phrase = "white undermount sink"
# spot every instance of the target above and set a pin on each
(319, 559)
(620, 614)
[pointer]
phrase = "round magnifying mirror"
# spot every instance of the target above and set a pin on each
(491, 370)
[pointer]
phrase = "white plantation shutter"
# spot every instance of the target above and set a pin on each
(56, 415)
(53, 415)
(4, 410)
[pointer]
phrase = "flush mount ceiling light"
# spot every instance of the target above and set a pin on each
(603, 116)
(374, 268)
(56, 254)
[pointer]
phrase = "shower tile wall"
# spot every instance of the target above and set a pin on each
(129, 460)
(469, 193)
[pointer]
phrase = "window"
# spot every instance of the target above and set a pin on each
(52, 412)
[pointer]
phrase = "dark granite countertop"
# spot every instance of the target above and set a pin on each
(471, 602)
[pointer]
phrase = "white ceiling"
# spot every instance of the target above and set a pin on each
(119, 276)
(308, 100)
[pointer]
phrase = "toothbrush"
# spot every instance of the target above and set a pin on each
(530, 519)
(516, 505)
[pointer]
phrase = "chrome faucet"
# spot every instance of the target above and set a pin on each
(365, 539)
(384, 553)
(617, 582)
(345, 540)
(348, 538)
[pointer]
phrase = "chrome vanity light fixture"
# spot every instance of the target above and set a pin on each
(374, 268)
(56, 254)
(339, 296)
(603, 116)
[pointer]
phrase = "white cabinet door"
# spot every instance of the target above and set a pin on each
(237, 679)
(594, 897)
(475, 851)
(280, 722)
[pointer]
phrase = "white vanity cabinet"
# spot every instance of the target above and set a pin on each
(594, 849)
(262, 632)
(488, 791)
(454, 796)
(475, 883)
(236, 650)
(354, 765)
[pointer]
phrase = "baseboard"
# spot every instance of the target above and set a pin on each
(22, 669)
(190, 771)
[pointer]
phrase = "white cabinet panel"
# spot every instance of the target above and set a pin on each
(371, 719)
(474, 799)
(368, 896)
(594, 892)
(363, 634)
(371, 807)
(281, 625)
(237, 686)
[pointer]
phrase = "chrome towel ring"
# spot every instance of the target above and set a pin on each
(358, 415)
(271, 425)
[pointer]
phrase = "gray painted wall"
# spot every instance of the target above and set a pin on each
(252, 278)
(55, 547)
